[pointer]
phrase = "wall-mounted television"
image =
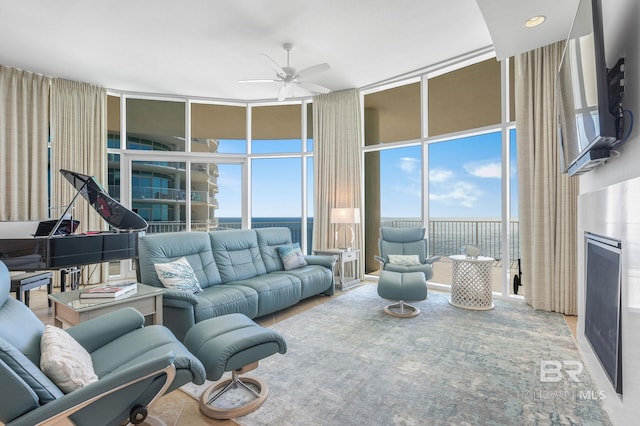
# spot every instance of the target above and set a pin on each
(587, 107)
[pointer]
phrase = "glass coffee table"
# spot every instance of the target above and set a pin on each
(69, 309)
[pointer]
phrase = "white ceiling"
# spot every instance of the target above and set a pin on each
(202, 47)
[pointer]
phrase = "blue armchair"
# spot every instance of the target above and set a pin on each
(404, 243)
(135, 366)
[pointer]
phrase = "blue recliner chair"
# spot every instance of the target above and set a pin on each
(135, 366)
(405, 269)
(405, 242)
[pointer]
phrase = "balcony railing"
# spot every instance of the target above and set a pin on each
(152, 194)
(445, 236)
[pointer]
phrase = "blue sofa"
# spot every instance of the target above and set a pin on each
(240, 271)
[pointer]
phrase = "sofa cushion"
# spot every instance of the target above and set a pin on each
(178, 275)
(226, 299)
(314, 279)
(65, 361)
(269, 239)
(166, 247)
(275, 291)
(237, 255)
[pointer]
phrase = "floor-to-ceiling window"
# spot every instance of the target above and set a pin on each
(279, 168)
(187, 164)
(438, 143)
(465, 180)
(393, 168)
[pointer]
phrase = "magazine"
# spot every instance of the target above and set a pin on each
(112, 290)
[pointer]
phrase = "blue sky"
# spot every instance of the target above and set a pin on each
(464, 181)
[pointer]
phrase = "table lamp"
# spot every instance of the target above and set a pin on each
(344, 217)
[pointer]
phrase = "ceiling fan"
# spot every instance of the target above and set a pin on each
(290, 77)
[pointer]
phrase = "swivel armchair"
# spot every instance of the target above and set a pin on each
(405, 269)
(135, 365)
(405, 250)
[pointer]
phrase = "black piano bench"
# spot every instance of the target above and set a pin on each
(23, 283)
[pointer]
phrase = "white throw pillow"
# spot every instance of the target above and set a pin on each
(178, 275)
(404, 260)
(64, 360)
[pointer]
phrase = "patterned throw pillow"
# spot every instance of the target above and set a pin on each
(404, 260)
(291, 256)
(64, 360)
(178, 275)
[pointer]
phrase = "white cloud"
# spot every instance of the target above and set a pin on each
(409, 165)
(460, 193)
(440, 175)
(485, 169)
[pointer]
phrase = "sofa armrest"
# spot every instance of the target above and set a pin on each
(326, 261)
(178, 298)
(380, 259)
(431, 259)
(99, 331)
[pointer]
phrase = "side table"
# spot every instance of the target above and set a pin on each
(69, 309)
(471, 282)
(348, 266)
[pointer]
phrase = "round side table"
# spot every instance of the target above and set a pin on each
(471, 282)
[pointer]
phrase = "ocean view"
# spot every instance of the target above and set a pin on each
(446, 235)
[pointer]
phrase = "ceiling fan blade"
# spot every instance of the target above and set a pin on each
(285, 91)
(260, 80)
(274, 65)
(315, 88)
(316, 69)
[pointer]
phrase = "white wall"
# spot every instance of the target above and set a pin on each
(607, 206)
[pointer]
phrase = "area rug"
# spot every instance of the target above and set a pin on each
(348, 363)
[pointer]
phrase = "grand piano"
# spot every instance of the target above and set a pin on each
(61, 248)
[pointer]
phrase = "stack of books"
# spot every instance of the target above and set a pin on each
(109, 291)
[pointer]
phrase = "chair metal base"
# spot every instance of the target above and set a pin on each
(401, 310)
(216, 390)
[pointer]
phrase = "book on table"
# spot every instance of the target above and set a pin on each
(109, 290)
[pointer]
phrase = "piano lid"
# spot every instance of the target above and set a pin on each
(116, 215)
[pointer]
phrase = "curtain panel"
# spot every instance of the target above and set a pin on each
(337, 135)
(547, 197)
(24, 132)
(79, 144)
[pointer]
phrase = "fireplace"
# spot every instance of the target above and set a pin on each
(602, 316)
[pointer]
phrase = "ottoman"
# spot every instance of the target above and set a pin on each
(232, 343)
(402, 286)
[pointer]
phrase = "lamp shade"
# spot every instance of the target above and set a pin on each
(345, 215)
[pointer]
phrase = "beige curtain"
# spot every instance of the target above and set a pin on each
(337, 136)
(78, 143)
(547, 198)
(24, 128)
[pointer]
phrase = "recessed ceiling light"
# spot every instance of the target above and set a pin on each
(534, 21)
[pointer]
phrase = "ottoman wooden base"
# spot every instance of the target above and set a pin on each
(208, 397)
